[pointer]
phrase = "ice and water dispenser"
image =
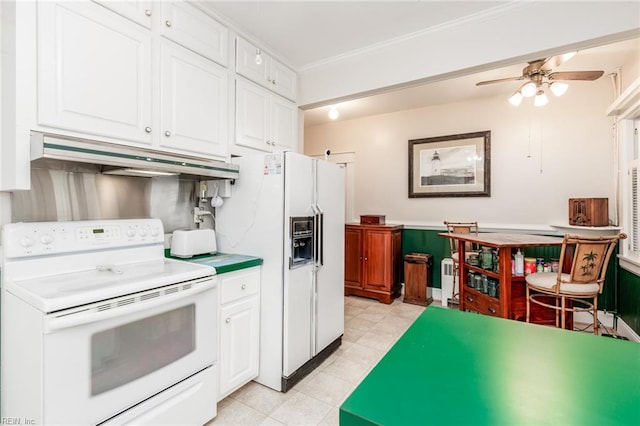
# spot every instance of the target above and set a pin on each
(301, 241)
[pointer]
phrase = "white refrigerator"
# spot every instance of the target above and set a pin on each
(288, 209)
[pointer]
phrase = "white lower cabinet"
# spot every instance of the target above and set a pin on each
(239, 322)
(264, 121)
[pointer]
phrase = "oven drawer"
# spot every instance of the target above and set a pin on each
(239, 284)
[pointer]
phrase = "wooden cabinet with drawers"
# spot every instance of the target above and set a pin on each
(373, 260)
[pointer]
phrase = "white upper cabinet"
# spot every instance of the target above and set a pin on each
(94, 71)
(194, 99)
(283, 124)
(268, 73)
(178, 21)
(139, 11)
(246, 64)
(264, 121)
(192, 28)
(283, 80)
(102, 75)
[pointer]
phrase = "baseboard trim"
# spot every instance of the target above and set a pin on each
(624, 330)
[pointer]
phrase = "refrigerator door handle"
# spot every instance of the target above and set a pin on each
(321, 239)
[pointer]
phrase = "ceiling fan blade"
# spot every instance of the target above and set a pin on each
(556, 61)
(500, 80)
(576, 75)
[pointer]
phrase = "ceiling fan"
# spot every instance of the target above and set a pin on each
(539, 73)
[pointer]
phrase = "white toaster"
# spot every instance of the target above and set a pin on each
(191, 242)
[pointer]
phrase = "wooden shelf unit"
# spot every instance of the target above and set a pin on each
(510, 302)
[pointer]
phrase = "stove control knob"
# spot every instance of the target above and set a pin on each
(46, 239)
(154, 232)
(26, 241)
(142, 232)
(131, 232)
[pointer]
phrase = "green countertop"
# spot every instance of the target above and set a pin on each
(453, 367)
(223, 262)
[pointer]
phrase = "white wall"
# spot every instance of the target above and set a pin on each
(540, 157)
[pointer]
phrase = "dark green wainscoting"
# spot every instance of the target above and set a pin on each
(428, 241)
(629, 299)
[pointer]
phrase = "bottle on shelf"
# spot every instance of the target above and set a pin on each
(519, 263)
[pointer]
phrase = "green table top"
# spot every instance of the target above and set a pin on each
(223, 262)
(453, 367)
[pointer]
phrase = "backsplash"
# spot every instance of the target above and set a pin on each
(64, 192)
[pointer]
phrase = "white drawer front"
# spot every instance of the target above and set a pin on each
(239, 284)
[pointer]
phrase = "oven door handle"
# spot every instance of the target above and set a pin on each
(54, 324)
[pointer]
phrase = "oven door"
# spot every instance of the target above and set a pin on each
(104, 359)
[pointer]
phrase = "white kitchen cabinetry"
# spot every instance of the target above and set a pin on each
(94, 71)
(264, 121)
(269, 73)
(101, 74)
(194, 99)
(192, 28)
(239, 321)
(178, 21)
(139, 11)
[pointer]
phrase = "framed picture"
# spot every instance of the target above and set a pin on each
(451, 166)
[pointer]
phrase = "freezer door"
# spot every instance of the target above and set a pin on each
(329, 306)
(297, 325)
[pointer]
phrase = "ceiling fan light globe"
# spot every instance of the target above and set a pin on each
(516, 99)
(540, 99)
(558, 88)
(333, 113)
(529, 89)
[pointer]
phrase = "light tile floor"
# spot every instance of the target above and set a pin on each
(371, 328)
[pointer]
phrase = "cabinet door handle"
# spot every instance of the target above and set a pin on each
(168, 24)
(273, 82)
(492, 310)
(167, 133)
(470, 299)
(147, 129)
(147, 12)
(366, 258)
(243, 286)
(228, 320)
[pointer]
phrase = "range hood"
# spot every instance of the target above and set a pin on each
(124, 160)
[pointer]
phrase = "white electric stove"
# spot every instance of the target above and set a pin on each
(98, 327)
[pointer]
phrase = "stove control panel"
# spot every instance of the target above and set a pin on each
(27, 239)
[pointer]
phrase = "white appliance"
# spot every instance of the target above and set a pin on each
(98, 327)
(446, 280)
(289, 209)
(187, 243)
